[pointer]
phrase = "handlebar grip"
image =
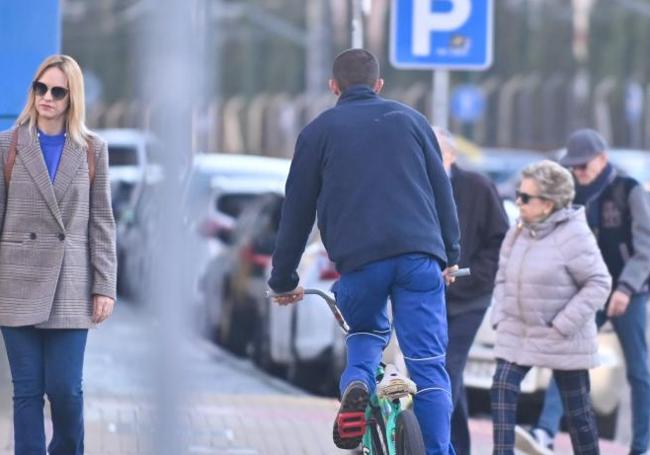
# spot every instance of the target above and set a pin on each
(465, 271)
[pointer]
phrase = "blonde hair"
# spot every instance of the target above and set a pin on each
(555, 183)
(76, 113)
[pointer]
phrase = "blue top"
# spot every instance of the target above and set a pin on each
(52, 147)
(372, 169)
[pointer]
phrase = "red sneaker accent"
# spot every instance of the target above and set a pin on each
(351, 424)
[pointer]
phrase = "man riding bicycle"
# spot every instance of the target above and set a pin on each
(372, 170)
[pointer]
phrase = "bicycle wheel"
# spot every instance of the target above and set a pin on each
(408, 437)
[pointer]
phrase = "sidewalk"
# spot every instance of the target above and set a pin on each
(231, 407)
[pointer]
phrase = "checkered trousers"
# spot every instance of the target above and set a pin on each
(574, 388)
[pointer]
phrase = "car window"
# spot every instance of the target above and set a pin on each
(234, 204)
(122, 155)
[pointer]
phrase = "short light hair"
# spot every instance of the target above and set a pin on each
(555, 183)
(441, 131)
(76, 112)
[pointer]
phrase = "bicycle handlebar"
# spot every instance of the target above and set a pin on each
(331, 303)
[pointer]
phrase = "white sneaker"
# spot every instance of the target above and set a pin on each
(395, 385)
(534, 442)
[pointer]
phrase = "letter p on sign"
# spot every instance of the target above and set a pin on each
(426, 21)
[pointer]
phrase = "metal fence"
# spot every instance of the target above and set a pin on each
(524, 111)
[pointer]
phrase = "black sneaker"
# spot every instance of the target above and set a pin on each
(350, 423)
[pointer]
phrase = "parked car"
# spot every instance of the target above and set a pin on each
(129, 152)
(216, 189)
(137, 235)
(234, 281)
(303, 342)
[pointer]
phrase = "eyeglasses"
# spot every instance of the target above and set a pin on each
(58, 93)
(579, 167)
(525, 197)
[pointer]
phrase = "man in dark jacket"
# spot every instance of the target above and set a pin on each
(483, 225)
(618, 213)
(372, 170)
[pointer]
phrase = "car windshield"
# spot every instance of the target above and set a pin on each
(122, 155)
(234, 204)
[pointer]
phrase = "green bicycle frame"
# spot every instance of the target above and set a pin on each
(389, 410)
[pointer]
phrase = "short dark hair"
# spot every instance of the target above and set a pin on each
(355, 67)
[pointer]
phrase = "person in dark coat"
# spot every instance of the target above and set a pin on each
(483, 225)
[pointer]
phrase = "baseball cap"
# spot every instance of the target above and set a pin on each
(582, 146)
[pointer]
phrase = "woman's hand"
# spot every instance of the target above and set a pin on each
(102, 308)
(618, 303)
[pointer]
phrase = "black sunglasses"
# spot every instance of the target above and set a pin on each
(525, 197)
(579, 167)
(58, 93)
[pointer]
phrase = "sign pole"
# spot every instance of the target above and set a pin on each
(440, 99)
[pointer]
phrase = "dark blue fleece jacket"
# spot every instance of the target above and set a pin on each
(372, 170)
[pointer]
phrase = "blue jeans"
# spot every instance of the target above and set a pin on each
(462, 329)
(47, 361)
(631, 331)
(416, 288)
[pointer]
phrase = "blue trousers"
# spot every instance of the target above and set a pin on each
(462, 329)
(416, 288)
(47, 361)
(630, 328)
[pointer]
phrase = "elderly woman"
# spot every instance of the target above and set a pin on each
(550, 283)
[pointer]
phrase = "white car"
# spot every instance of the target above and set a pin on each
(304, 341)
(129, 152)
(239, 181)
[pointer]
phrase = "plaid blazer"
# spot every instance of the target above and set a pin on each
(57, 240)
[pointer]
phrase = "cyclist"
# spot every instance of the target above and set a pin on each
(372, 170)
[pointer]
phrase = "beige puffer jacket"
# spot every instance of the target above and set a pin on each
(550, 283)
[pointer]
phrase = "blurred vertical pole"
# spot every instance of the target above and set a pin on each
(440, 98)
(317, 47)
(357, 24)
(170, 81)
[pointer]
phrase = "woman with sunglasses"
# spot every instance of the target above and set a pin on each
(57, 255)
(550, 283)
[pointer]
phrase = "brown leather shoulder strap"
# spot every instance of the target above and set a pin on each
(11, 158)
(91, 159)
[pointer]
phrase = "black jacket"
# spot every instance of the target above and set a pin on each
(372, 169)
(483, 225)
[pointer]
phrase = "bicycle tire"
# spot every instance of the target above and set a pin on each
(408, 437)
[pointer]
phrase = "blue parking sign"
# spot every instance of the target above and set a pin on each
(442, 34)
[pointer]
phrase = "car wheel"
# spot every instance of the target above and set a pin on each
(314, 375)
(261, 347)
(239, 331)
